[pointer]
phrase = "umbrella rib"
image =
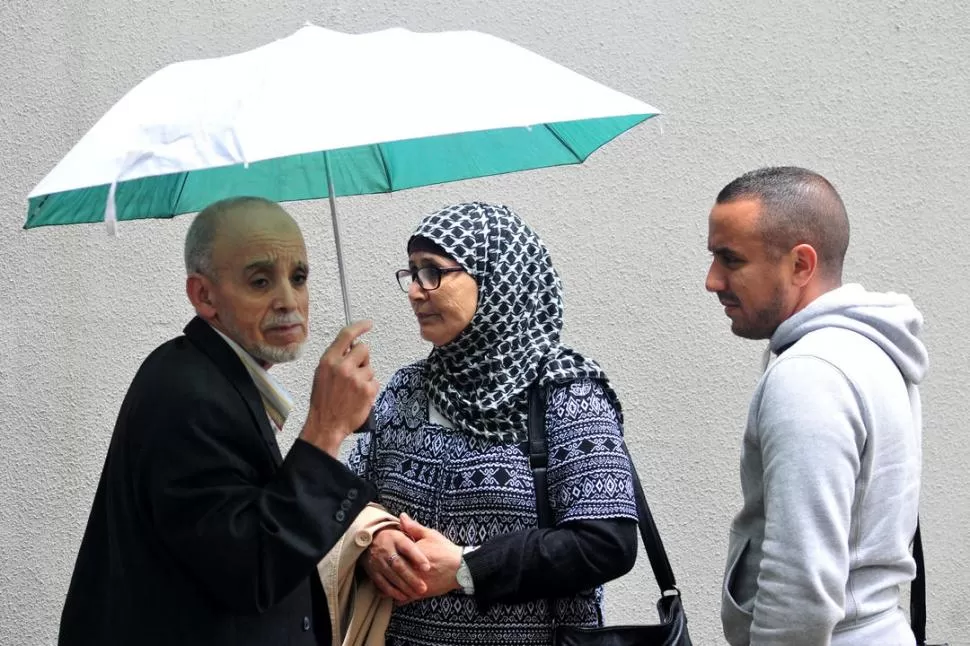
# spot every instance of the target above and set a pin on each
(387, 173)
(563, 142)
(178, 198)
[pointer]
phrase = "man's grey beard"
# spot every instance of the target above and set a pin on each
(274, 354)
(270, 353)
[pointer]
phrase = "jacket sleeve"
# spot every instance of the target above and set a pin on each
(249, 538)
(811, 434)
(589, 481)
(545, 563)
(358, 460)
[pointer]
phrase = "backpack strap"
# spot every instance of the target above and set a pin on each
(917, 594)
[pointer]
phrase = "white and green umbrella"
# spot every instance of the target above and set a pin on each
(327, 114)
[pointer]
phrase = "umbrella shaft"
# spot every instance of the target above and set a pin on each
(336, 239)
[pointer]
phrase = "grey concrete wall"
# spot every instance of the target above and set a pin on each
(871, 93)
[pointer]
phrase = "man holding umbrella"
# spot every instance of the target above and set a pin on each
(200, 532)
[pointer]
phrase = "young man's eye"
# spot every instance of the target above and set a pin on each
(299, 279)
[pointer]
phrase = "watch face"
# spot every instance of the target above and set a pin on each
(464, 576)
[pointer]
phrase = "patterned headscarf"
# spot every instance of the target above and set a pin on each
(480, 380)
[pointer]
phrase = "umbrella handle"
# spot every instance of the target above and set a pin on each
(336, 238)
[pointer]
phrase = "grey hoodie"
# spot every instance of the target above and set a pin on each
(830, 474)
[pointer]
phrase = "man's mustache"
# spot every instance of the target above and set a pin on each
(283, 320)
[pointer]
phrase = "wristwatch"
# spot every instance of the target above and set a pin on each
(464, 575)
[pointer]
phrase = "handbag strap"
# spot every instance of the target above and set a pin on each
(539, 462)
(539, 453)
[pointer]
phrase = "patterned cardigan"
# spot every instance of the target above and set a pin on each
(473, 488)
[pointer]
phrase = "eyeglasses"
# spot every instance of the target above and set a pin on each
(428, 278)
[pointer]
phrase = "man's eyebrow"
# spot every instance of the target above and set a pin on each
(727, 254)
(259, 264)
(269, 265)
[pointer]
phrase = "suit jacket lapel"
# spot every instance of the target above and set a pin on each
(208, 340)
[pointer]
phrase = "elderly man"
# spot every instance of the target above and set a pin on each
(200, 532)
(830, 462)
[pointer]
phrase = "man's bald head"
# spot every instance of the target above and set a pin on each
(798, 206)
(230, 222)
(247, 276)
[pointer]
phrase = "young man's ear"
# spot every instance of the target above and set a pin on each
(805, 260)
(199, 290)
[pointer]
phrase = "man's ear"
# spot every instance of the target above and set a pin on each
(805, 264)
(199, 290)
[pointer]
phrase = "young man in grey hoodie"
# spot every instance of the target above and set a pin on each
(830, 460)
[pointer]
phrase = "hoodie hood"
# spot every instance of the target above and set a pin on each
(890, 320)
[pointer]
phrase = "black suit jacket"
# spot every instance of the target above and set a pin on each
(200, 532)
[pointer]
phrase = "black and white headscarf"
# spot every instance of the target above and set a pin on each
(480, 380)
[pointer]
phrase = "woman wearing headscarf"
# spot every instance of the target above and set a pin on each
(447, 453)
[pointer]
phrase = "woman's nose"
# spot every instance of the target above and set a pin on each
(416, 292)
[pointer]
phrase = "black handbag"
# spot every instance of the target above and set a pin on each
(672, 629)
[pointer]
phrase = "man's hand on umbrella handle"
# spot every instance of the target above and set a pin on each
(344, 390)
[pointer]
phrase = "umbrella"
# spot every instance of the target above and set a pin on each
(327, 114)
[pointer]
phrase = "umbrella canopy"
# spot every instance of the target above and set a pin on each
(385, 111)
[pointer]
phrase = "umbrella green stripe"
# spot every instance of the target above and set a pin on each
(360, 170)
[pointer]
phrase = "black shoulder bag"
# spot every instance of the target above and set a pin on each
(672, 629)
